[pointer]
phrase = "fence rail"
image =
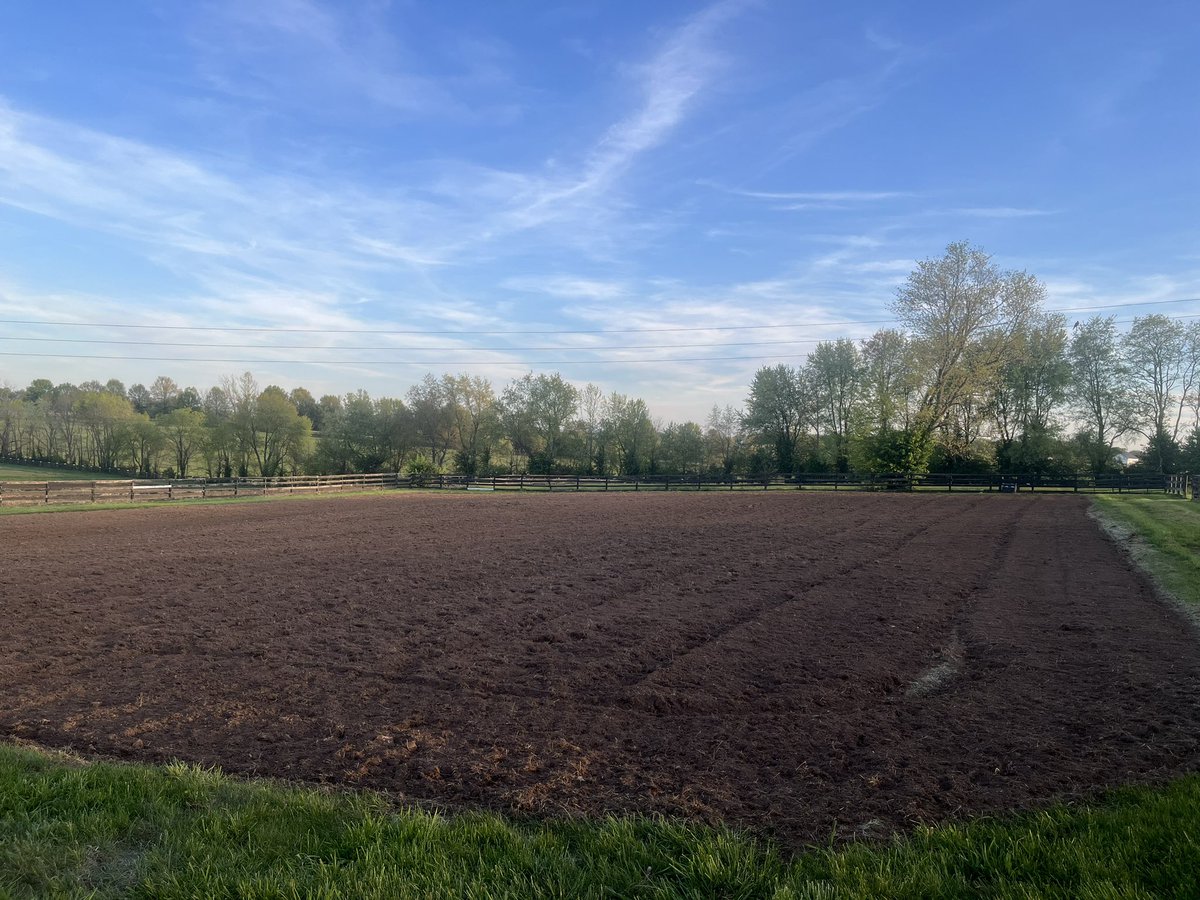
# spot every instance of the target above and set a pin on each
(27, 493)
(1148, 483)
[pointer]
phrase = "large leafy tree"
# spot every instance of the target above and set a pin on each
(835, 373)
(725, 437)
(630, 432)
(535, 413)
(473, 404)
(1099, 389)
(432, 417)
(681, 449)
(779, 410)
(1162, 357)
(184, 433)
(1030, 388)
(962, 315)
(107, 419)
(280, 437)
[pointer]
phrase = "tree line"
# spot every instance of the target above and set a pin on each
(977, 377)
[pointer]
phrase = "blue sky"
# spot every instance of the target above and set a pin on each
(673, 183)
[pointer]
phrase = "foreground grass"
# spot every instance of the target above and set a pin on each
(1167, 533)
(105, 830)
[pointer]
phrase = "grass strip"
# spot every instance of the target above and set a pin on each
(1163, 535)
(74, 829)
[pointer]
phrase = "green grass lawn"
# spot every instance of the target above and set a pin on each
(69, 829)
(1166, 538)
(10, 472)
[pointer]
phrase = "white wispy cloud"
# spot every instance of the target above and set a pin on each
(567, 287)
(999, 212)
(301, 228)
(670, 84)
(301, 53)
(823, 196)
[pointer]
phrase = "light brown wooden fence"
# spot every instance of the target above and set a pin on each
(31, 493)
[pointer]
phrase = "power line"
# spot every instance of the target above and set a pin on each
(1122, 305)
(45, 340)
(435, 332)
(275, 330)
(399, 362)
(444, 362)
(435, 349)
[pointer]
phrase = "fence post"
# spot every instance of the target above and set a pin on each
(950, 482)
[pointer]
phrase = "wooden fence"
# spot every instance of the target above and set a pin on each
(1148, 483)
(1178, 485)
(26, 493)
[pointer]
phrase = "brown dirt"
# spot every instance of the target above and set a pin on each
(781, 661)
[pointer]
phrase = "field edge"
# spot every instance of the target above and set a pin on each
(75, 827)
(1151, 533)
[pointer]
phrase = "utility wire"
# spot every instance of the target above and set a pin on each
(401, 362)
(274, 330)
(442, 362)
(432, 332)
(395, 348)
(437, 349)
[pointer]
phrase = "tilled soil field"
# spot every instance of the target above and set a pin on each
(780, 661)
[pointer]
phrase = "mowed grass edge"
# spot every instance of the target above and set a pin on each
(1162, 535)
(74, 829)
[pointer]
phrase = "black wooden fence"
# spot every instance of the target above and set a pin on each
(24, 493)
(1148, 483)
